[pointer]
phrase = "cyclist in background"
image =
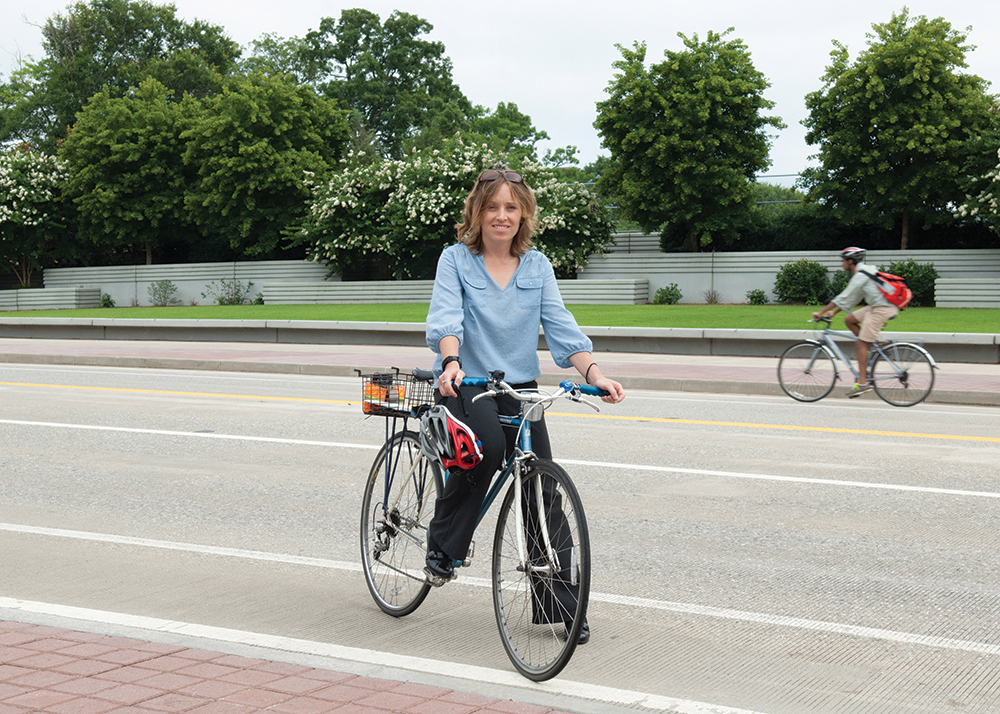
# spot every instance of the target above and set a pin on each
(866, 323)
(491, 292)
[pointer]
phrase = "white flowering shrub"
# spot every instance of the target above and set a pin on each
(985, 205)
(32, 212)
(391, 219)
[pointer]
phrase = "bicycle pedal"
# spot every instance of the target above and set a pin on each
(436, 580)
(468, 556)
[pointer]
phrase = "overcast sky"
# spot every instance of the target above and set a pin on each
(553, 58)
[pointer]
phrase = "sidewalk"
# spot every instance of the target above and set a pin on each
(955, 382)
(62, 671)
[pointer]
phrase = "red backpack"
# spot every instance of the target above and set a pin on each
(892, 287)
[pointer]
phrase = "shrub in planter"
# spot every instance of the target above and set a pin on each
(804, 281)
(756, 297)
(670, 295)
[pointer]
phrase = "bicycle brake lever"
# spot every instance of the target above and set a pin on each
(488, 393)
(592, 405)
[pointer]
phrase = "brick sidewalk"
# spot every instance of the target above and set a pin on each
(59, 671)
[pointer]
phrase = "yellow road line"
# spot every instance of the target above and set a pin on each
(783, 427)
(174, 393)
(613, 417)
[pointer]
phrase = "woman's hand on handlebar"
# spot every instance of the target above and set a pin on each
(615, 391)
(450, 379)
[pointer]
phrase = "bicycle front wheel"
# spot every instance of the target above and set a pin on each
(807, 372)
(906, 377)
(541, 571)
(398, 504)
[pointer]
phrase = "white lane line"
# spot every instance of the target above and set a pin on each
(573, 462)
(196, 434)
(636, 602)
(787, 479)
(186, 547)
(455, 670)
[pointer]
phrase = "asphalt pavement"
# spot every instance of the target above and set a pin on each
(80, 670)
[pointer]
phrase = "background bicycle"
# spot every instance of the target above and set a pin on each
(901, 372)
(540, 567)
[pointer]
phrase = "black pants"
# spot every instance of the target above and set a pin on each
(457, 509)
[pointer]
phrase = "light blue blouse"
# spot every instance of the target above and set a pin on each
(498, 329)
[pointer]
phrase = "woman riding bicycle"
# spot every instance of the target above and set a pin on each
(491, 292)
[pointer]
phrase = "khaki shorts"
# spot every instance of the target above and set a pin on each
(873, 319)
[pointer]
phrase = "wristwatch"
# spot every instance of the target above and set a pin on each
(449, 359)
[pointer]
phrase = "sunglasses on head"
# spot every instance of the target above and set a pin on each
(494, 174)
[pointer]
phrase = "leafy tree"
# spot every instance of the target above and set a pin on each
(386, 71)
(34, 218)
(892, 127)
(771, 198)
(391, 218)
(125, 156)
(252, 148)
(109, 44)
(686, 137)
(982, 180)
(507, 130)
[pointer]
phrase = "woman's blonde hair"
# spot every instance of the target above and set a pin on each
(470, 230)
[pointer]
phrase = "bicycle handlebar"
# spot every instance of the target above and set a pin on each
(567, 388)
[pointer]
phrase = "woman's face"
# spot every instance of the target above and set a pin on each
(501, 217)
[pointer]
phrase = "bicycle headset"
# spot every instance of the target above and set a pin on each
(445, 438)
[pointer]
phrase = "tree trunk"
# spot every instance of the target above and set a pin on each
(692, 240)
(149, 254)
(905, 240)
(23, 271)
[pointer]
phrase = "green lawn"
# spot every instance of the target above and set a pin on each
(766, 317)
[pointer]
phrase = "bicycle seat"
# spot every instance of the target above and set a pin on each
(424, 375)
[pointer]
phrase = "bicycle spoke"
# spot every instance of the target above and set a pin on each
(398, 503)
(533, 596)
(902, 374)
(806, 372)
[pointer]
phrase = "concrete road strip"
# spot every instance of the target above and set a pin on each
(610, 598)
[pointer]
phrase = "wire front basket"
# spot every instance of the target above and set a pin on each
(391, 394)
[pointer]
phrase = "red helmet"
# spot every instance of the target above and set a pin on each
(444, 438)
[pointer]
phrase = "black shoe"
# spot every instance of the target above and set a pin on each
(438, 567)
(584, 632)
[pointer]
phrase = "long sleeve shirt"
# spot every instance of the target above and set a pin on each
(497, 329)
(861, 286)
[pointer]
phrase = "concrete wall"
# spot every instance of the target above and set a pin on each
(733, 274)
(52, 299)
(129, 284)
(959, 292)
(599, 292)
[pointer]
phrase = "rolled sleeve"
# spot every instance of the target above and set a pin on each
(852, 293)
(445, 316)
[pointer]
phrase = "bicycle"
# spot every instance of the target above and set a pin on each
(902, 373)
(540, 569)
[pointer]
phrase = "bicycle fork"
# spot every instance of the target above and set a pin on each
(551, 566)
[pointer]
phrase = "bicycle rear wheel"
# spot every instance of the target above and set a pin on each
(906, 378)
(807, 371)
(397, 506)
(536, 596)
